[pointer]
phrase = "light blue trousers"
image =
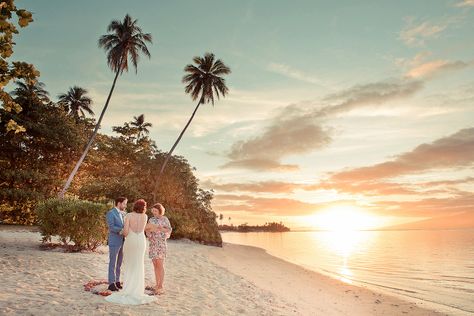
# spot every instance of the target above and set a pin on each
(115, 263)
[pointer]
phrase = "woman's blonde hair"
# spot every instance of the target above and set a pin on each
(160, 207)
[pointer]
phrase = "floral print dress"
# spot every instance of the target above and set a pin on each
(158, 248)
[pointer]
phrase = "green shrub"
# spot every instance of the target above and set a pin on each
(196, 225)
(73, 220)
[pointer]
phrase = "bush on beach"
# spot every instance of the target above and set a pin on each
(196, 225)
(73, 220)
(83, 223)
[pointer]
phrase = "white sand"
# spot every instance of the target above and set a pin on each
(200, 280)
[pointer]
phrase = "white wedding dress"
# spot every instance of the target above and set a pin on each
(133, 292)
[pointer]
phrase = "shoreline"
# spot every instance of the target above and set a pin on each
(260, 267)
(204, 280)
(430, 306)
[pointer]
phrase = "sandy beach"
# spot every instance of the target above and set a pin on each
(200, 280)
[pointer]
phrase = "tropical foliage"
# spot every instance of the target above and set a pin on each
(12, 70)
(124, 42)
(41, 139)
(245, 228)
(76, 103)
(33, 166)
(73, 221)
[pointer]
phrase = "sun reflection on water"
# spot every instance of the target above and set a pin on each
(345, 245)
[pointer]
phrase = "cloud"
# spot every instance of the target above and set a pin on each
(428, 198)
(413, 62)
(279, 187)
(456, 150)
(462, 202)
(459, 201)
(465, 3)
(298, 129)
(292, 73)
(446, 182)
(256, 187)
(370, 94)
(416, 33)
(433, 68)
(289, 133)
(367, 188)
(261, 164)
(270, 206)
(301, 128)
(422, 69)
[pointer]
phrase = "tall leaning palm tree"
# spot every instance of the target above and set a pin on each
(140, 125)
(203, 81)
(76, 102)
(125, 41)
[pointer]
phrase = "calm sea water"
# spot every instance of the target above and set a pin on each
(433, 266)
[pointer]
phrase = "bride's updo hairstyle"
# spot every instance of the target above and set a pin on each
(139, 206)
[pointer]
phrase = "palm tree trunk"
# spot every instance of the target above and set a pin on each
(91, 140)
(157, 182)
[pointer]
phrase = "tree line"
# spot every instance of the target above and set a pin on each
(43, 141)
(245, 228)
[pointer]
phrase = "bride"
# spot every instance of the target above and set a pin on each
(133, 292)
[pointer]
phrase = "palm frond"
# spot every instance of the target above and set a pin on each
(204, 79)
(123, 44)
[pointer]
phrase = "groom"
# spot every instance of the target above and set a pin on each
(115, 219)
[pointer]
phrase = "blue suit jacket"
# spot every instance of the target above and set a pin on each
(115, 224)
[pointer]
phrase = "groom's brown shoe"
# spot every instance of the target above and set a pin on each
(118, 285)
(113, 287)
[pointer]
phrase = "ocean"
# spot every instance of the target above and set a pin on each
(432, 266)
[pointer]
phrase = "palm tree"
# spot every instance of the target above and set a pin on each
(125, 41)
(27, 93)
(75, 102)
(140, 125)
(202, 81)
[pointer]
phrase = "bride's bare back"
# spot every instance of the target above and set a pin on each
(135, 222)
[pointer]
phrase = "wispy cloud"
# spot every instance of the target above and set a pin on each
(433, 68)
(456, 150)
(416, 33)
(370, 94)
(269, 206)
(465, 3)
(293, 73)
(420, 68)
(256, 187)
(429, 207)
(446, 182)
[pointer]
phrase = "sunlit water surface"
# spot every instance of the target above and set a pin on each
(435, 266)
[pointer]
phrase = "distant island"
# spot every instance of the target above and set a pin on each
(245, 228)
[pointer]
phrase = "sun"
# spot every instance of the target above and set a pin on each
(345, 218)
